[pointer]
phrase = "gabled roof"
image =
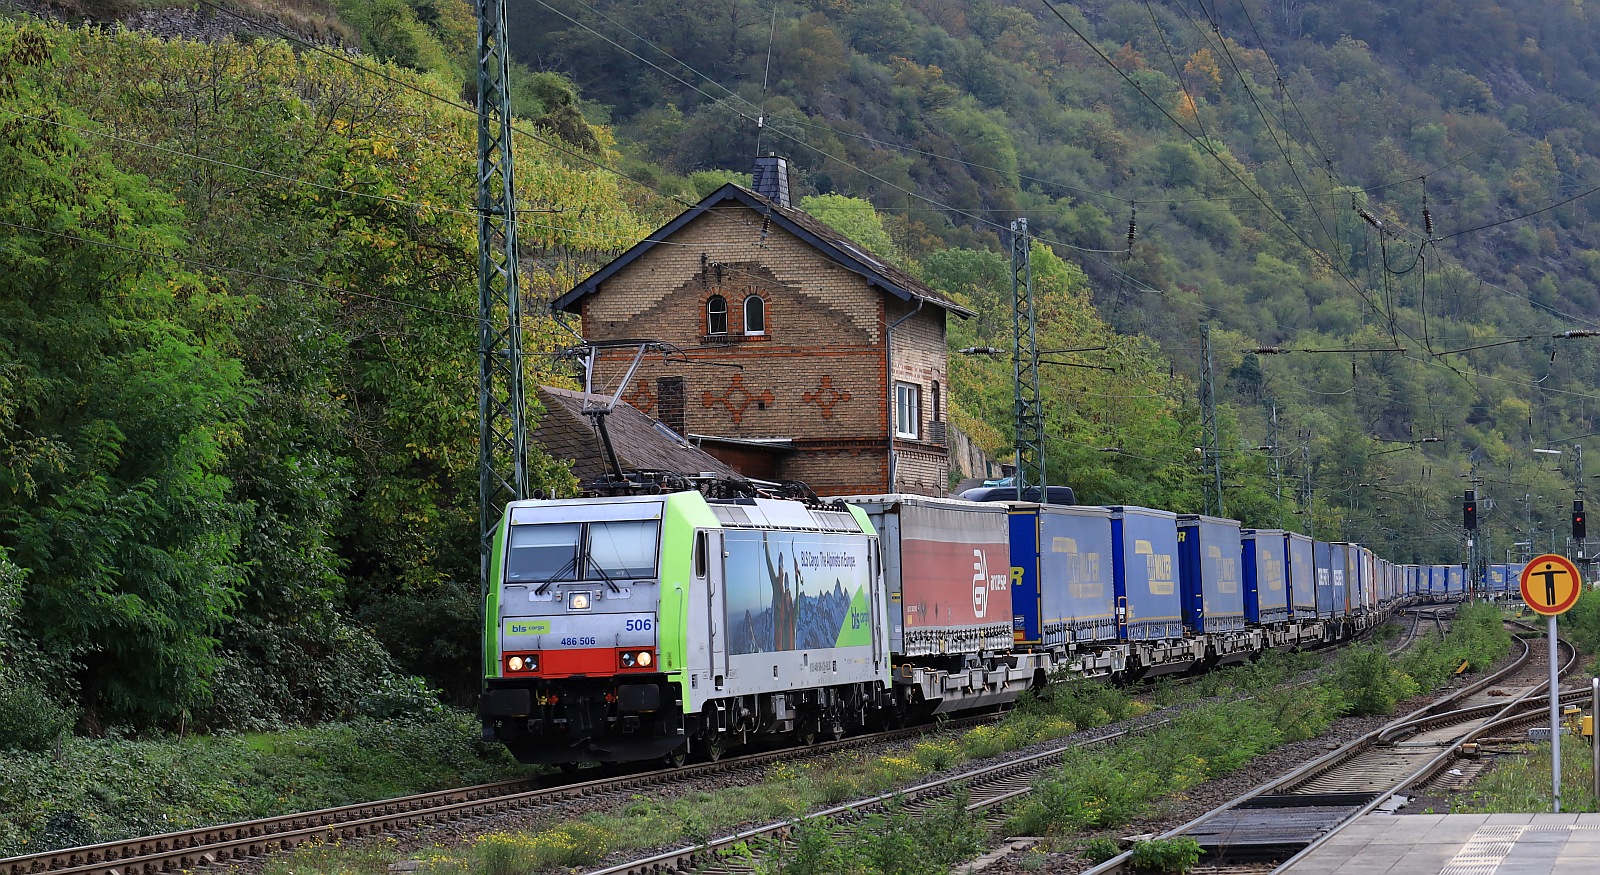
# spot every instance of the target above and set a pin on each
(641, 442)
(818, 234)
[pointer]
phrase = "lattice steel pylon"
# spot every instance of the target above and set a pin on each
(502, 425)
(1210, 449)
(1029, 407)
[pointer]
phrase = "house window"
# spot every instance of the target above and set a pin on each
(717, 315)
(907, 407)
(755, 315)
(936, 416)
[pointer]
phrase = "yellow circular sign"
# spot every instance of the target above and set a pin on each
(1550, 584)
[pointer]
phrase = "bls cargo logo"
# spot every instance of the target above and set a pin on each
(983, 582)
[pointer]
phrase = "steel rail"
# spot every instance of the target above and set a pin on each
(187, 849)
(1433, 715)
(992, 786)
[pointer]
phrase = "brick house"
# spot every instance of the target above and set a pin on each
(842, 364)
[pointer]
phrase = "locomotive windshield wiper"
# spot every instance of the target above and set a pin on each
(603, 575)
(572, 565)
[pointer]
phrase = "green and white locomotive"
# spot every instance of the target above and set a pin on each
(645, 626)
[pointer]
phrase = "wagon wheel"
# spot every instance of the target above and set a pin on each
(805, 732)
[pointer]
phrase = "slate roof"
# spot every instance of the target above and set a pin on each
(812, 230)
(566, 433)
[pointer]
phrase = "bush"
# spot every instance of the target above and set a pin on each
(1166, 855)
(1083, 703)
(321, 670)
(29, 718)
(1369, 682)
(574, 843)
(1101, 849)
(812, 851)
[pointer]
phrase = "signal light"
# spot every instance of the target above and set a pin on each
(1578, 527)
(1469, 510)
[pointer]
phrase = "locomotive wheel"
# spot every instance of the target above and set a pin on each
(713, 746)
(806, 733)
(676, 757)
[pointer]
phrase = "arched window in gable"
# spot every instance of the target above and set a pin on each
(716, 315)
(755, 315)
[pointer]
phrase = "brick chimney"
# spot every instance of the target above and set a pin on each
(772, 179)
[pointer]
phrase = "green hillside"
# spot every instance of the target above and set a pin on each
(1248, 143)
(237, 376)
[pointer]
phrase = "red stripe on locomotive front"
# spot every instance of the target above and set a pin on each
(591, 662)
(587, 661)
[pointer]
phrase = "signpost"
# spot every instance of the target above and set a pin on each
(1550, 586)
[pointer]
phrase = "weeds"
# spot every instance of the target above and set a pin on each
(1166, 855)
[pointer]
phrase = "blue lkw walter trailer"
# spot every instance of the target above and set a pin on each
(1266, 575)
(1209, 575)
(1455, 579)
(1495, 578)
(1144, 552)
(1436, 580)
(1062, 589)
(1328, 605)
(1338, 567)
(1302, 576)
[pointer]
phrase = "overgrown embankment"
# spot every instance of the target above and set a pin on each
(96, 790)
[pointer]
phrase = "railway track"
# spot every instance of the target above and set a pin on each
(190, 849)
(1285, 818)
(988, 789)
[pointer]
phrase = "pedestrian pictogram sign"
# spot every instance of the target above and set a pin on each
(1550, 584)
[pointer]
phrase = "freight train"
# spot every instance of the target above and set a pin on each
(642, 627)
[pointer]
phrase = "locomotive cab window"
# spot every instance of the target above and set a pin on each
(700, 547)
(622, 549)
(541, 554)
(553, 553)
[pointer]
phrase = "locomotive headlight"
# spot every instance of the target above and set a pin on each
(645, 658)
(627, 659)
(515, 663)
(577, 601)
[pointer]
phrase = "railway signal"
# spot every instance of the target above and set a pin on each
(1469, 510)
(1551, 586)
(1579, 530)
